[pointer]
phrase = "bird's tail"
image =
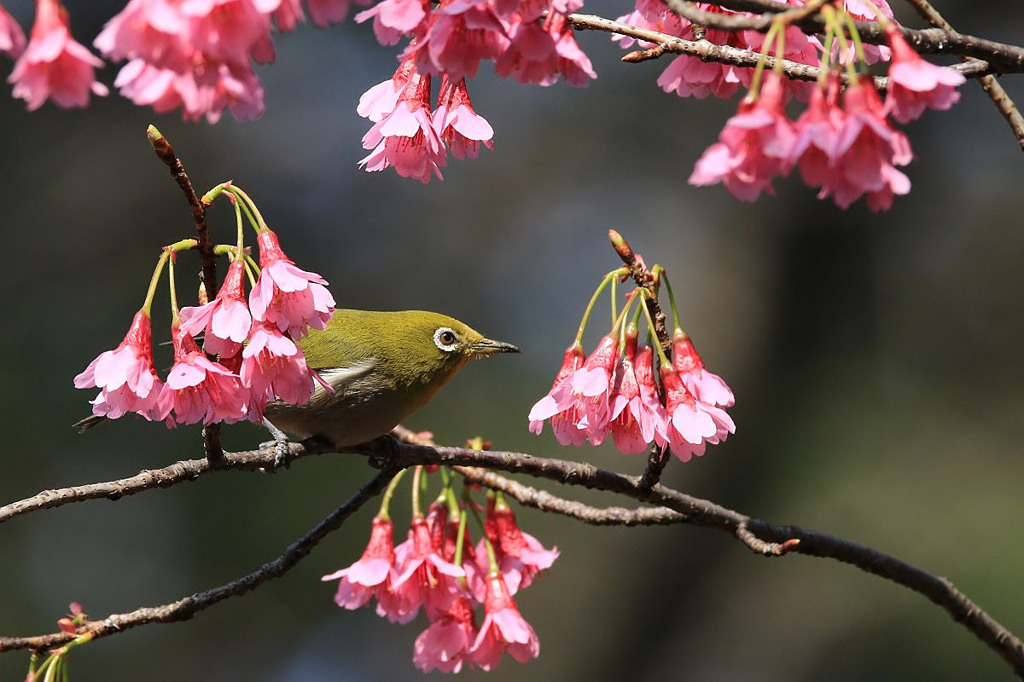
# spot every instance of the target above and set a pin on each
(89, 422)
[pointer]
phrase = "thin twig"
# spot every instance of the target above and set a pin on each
(992, 87)
(211, 434)
(594, 516)
(645, 280)
(149, 479)
(185, 608)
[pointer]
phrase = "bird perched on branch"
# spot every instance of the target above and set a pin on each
(383, 366)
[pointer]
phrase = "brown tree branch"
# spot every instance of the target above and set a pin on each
(184, 609)
(211, 434)
(992, 87)
(1006, 58)
(726, 54)
(760, 536)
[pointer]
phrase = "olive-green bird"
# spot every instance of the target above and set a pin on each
(383, 366)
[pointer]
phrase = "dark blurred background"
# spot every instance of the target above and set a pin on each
(875, 358)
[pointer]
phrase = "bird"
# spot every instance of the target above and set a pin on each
(382, 367)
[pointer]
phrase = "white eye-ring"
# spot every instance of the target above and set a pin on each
(446, 339)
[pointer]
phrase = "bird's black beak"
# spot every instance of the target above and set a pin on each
(488, 347)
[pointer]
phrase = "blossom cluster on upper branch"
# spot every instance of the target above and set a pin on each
(198, 55)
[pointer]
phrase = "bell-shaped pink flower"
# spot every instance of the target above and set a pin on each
(704, 385)
(380, 100)
(461, 128)
(592, 385)
(816, 150)
(503, 628)
(867, 11)
(542, 53)
(224, 322)
(394, 18)
(754, 147)
(459, 35)
(915, 84)
(521, 557)
(126, 377)
(12, 38)
(200, 389)
(637, 412)
(445, 645)
(193, 55)
(867, 152)
(690, 423)
(54, 65)
(372, 576)
(559, 405)
(285, 295)
(274, 368)
(405, 138)
(425, 579)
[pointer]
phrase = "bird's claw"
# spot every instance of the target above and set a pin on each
(282, 454)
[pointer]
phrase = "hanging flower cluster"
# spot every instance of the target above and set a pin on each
(195, 55)
(258, 360)
(638, 394)
(844, 143)
(440, 571)
(530, 41)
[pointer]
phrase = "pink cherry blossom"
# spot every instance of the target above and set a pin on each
(274, 368)
(754, 147)
(381, 99)
(224, 322)
(405, 138)
(592, 385)
(126, 377)
(459, 35)
(372, 576)
(915, 84)
(53, 65)
(12, 38)
(461, 128)
(326, 12)
(542, 53)
(425, 579)
(817, 135)
(503, 628)
(288, 15)
(445, 645)
(704, 385)
(559, 405)
(690, 424)
(866, 11)
(285, 295)
(200, 389)
(192, 54)
(520, 556)
(867, 151)
(637, 412)
(394, 18)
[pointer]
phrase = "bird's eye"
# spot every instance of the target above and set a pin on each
(446, 339)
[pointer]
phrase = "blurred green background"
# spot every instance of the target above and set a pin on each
(876, 361)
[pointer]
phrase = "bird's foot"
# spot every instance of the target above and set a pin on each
(282, 454)
(383, 450)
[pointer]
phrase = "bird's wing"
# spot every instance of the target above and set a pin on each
(337, 377)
